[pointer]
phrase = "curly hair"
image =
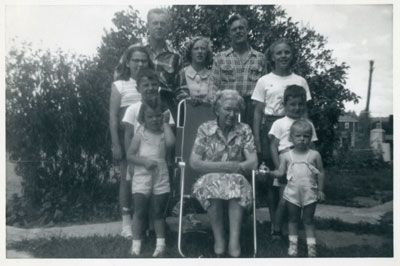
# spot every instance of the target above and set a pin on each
(122, 72)
(270, 50)
(190, 45)
(224, 95)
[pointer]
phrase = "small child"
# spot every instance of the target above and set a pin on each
(148, 86)
(294, 102)
(150, 181)
(305, 174)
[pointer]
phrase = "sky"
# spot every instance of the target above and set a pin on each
(355, 33)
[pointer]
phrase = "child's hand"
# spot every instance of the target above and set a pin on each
(321, 196)
(150, 165)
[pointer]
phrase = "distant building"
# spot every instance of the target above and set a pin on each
(348, 129)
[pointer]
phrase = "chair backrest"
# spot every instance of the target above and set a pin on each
(190, 117)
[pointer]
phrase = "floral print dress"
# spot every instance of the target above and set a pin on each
(212, 146)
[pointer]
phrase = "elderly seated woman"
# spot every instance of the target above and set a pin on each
(223, 153)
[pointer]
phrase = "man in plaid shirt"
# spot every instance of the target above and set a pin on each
(167, 61)
(239, 67)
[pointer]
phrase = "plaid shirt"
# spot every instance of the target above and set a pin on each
(167, 64)
(229, 72)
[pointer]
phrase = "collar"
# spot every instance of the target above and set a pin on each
(214, 129)
(191, 73)
(167, 47)
(231, 51)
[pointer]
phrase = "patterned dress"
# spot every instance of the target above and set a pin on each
(212, 146)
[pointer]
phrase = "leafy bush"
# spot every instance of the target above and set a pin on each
(57, 132)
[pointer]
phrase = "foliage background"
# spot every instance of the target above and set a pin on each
(57, 106)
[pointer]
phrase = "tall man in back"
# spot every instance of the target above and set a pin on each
(167, 61)
(239, 67)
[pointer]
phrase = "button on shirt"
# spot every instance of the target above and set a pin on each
(229, 72)
(197, 82)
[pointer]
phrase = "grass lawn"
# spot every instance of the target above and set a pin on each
(199, 244)
(343, 185)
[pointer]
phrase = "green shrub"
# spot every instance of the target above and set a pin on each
(57, 132)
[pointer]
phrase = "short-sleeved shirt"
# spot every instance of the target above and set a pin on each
(228, 71)
(212, 146)
(167, 64)
(128, 91)
(270, 89)
(132, 113)
(281, 130)
(196, 83)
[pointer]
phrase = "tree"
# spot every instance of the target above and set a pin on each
(267, 23)
(57, 103)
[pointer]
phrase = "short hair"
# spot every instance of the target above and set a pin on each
(270, 50)
(154, 104)
(294, 91)
(234, 18)
(146, 73)
(192, 42)
(159, 11)
(301, 125)
(122, 72)
(224, 95)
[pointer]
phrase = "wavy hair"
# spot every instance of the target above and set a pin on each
(122, 72)
(224, 95)
(190, 45)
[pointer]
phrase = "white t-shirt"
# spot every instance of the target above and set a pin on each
(132, 113)
(280, 129)
(270, 88)
(128, 91)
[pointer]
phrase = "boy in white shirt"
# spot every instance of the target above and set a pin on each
(294, 102)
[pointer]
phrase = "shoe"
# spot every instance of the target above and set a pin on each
(135, 250)
(292, 250)
(159, 251)
(126, 232)
(312, 251)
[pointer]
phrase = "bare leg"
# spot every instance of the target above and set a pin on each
(235, 223)
(215, 212)
(280, 211)
(124, 190)
(141, 203)
(158, 205)
(272, 204)
(124, 201)
(308, 219)
(294, 217)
